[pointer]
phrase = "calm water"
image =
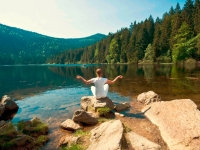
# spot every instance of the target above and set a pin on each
(49, 91)
(52, 92)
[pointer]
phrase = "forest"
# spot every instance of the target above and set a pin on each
(173, 38)
(19, 46)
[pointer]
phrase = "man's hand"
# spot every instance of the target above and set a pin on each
(78, 77)
(120, 76)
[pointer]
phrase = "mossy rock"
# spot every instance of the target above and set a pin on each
(33, 128)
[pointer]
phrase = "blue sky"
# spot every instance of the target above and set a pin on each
(79, 18)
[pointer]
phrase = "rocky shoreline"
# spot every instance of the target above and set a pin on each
(149, 124)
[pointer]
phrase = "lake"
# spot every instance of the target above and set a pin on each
(52, 92)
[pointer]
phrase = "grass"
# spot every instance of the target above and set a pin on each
(126, 129)
(103, 111)
(80, 133)
(36, 126)
(6, 135)
(73, 147)
(41, 140)
(101, 120)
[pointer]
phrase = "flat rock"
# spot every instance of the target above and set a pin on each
(69, 124)
(141, 143)
(90, 102)
(107, 136)
(178, 121)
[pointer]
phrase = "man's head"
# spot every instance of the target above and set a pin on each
(99, 72)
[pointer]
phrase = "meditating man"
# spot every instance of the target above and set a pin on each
(100, 89)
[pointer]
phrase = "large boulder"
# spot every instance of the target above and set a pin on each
(148, 97)
(178, 121)
(71, 125)
(122, 106)
(8, 103)
(84, 117)
(90, 102)
(139, 142)
(107, 136)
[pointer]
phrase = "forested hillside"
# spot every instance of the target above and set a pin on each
(174, 37)
(18, 46)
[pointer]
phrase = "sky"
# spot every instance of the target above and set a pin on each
(79, 18)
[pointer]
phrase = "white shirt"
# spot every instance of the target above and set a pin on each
(99, 86)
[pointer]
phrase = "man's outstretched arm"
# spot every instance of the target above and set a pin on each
(85, 81)
(113, 81)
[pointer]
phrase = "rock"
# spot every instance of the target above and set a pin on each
(68, 140)
(23, 140)
(148, 97)
(84, 117)
(71, 125)
(90, 102)
(2, 123)
(107, 136)
(121, 115)
(1, 109)
(140, 143)
(122, 106)
(178, 121)
(8, 103)
(117, 114)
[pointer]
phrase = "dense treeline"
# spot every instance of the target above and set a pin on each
(174, 37)
(18, 46)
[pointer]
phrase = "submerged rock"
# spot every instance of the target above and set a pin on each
(178, 121)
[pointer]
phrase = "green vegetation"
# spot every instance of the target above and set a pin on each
(32, 128)
(30, 133)
(6, 137)
(101, 120)
(126, 129)
(73, 147)
(41, 140)
(173, 38)
(103, 111)
(24, 47)
(80, 133)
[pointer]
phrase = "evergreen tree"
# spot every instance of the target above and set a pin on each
(187, 13)
(197, 17)
(176, 24)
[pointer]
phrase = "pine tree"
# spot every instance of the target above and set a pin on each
(197, 17)
(187, 13)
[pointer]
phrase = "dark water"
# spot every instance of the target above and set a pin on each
(52, 92)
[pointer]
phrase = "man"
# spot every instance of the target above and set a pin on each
(101, 87)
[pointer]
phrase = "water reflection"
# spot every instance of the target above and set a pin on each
(169, 81)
